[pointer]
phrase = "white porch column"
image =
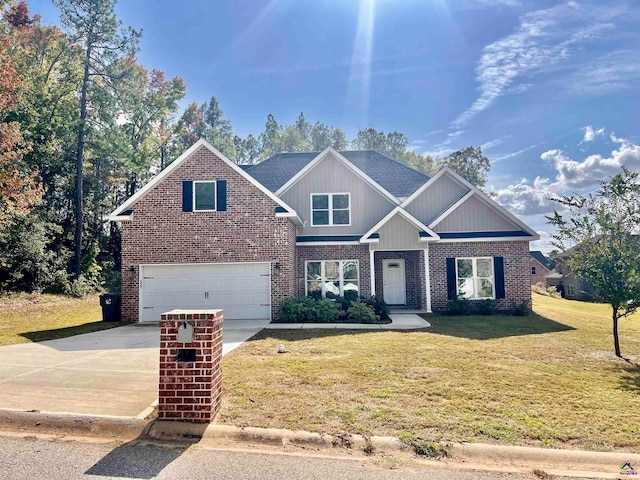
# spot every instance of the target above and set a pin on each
(372, 271)
(426, 278)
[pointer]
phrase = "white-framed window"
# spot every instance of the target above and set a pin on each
(330, 209)
(204, 196)
(332, 277)
(475, 278)
(570, 290)
(533, 270)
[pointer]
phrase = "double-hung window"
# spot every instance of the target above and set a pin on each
(204, 196)
(475, 278)
(332, 278)
(329, 209)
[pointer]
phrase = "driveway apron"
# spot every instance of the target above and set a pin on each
(111, 372)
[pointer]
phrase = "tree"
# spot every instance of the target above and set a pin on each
(471, 164)
(603, 232)
(93, 26)
(20, 188)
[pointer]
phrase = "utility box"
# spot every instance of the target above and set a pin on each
(190, 384)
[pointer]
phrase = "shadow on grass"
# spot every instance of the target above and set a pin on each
(479, 327)
(630, 381)
(474, 327)
(55, 333)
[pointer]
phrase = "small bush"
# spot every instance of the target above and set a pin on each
(540, 289)
(360, 312)
(553, 292)
(459, 306)
(521, 309)
(323, 311)
(483, 307)
(294, 310)
(380, 307)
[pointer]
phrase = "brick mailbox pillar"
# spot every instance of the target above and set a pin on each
(190, 365)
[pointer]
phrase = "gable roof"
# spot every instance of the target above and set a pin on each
(395, 177)
(118, 213)
(425, 233)
(539, 256)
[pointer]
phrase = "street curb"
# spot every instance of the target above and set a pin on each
(474, 455)
(69, 424)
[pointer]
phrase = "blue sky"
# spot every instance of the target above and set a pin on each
(549, 89)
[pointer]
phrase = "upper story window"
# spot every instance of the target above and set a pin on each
(328, 209)
(204, 196)
(533, 270)
(475, 278)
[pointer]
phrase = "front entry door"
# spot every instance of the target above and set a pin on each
(394, 288)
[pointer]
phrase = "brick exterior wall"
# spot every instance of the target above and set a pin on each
(516, 269)
(247, 231)
(191, 391)
(541, 271)
(334, 252)
(414, 275)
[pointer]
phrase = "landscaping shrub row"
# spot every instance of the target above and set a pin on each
(349, 309)
(462, 306)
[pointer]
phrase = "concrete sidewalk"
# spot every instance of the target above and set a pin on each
(399, 321)
(112, 372)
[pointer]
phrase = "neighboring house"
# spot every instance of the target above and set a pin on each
(539, 266)
(206, 233)
(575, 287)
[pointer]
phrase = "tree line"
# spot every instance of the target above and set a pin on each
(83, 125)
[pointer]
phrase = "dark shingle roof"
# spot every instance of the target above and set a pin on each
(393, 176)
(539, 256)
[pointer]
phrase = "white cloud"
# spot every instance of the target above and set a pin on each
(494, 143)
(571, 176)
(590, 133)
(514, 154)
(543, 37)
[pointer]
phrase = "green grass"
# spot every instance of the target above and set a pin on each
(550, 379)
(34, 318)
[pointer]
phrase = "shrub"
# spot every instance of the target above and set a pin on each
(553, 292)
(459, 306)
(521, 309)
(294, 310)
(379, 306)
(540, 289)
(483, 307)
(360, 312)
(323, 311)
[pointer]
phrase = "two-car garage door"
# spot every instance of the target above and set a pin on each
(243, 290)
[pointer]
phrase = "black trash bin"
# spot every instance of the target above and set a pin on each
(110, 303)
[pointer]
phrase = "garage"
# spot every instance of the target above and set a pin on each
(243, 290)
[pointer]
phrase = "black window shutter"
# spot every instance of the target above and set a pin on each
(187, 196)
(221, 195)
(451, 279)
(498, 270)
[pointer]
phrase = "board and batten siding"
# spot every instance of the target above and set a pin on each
(475, 216)
(398, 234)
(439, 196)
(330, 175)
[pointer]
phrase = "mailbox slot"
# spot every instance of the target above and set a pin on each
(186, 355)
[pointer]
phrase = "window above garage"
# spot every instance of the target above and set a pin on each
(204, 196)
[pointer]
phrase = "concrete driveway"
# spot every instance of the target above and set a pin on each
(112, 372)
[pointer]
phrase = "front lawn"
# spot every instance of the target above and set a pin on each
(34, 318)
(549, 379)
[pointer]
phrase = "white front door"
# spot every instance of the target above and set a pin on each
(394, 289)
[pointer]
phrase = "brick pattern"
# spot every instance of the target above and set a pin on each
(414, 275)
(247, 231)
(334, 252)
(191, 391)
(516, 269)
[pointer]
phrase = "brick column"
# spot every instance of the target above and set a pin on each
(190, 385)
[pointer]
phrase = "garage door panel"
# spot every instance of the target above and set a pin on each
(243, 290)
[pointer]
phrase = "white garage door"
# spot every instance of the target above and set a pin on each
(243, 290)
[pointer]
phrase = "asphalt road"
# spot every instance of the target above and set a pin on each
(33, 459)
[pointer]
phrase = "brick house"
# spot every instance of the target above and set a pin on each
(207, 233)
(539, 267)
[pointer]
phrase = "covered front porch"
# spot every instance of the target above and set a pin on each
(400, 277)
